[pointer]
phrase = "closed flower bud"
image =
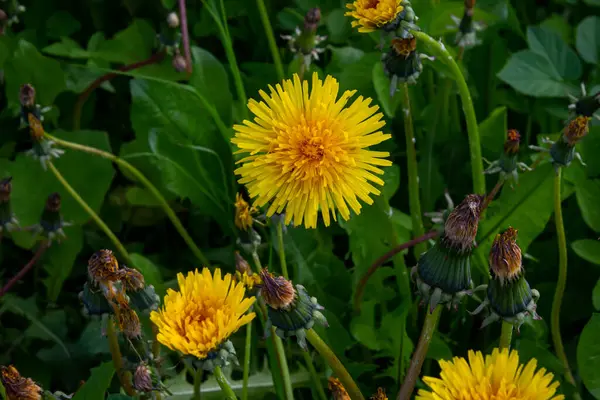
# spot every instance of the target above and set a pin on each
(173, 20)
(587, 106)
(505, 256)
(462, 223)
(338, 391)
(312, 19)
(278, 292)
(142, 379)
(18, 387)
(27, 96)
(380, 395)
(179, 63)
(563, 150)
(241, 265)
(402, 63)
(36, 129)
(51, 222)
(511, 145)
(469, 4)
(576, 130)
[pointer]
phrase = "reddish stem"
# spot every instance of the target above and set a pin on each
(38, 254)
(154, 58)
(185, 36)
(381, 260)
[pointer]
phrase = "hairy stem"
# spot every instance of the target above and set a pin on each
(224, 384)
(38, 254)
(440, 52)
(247, 355)
(335, 364)
(562, 279)
(185, 37)
(116, 242)
(82, 98)
(117, 358)
(264, 16)
(314, 375)
(146, 183)
(506, 335)
(414, 198)
(429, 327)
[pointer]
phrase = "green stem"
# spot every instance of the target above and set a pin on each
(116, 242)
(224, 384)
(562, 279)
(144, 181)
(413, 171)
(115, 351)
(440, 52)
(282, 261)
(429, 327)
(314, 375)
(198, 382)
(264, 16)
(506, 335)
(335, 364)
(247, 355)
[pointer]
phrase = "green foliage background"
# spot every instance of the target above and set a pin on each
(533, 54)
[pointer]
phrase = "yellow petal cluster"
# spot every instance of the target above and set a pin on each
(203, 313)
(497, 377)
(370, 15)
(308, 151)
(243, 213)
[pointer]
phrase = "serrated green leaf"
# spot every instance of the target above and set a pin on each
(588, 356)
(588, 39)
(588, 193)
(560, 57)
(97, 385)
(587, 249)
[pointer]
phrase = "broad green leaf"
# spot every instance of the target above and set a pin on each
(588, 39)
(67, 48)
(588, 193)
(592, 2)
(439, 22)
(382, 87)
(552, 47)
(61, 24)
(344, 56)
(559, 25)
(596, 296)
(588, 356)
(209, 77)
(32, 184)
(151, 272)
(439, 349)
(391, 177)
(493, 133)
(130, 45)
(587, 249)
(60, 262)
(27, 65)
(532, 74)
(527, 208)
(97, 385)
(54, 321)
(338, 26)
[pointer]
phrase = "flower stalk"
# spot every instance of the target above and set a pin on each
(506, 335)
(247, 356)
(264, 17)
(113, 345)
(224, 384)
(429, 327)
(335, 364)
(439, 50)
(198, 382)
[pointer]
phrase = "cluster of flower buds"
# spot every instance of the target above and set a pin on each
(563, 151)
(51, 222)
(508, 295)
(508, 164)
(32, 117)
(290, 309)
(304, 42)
(466, 27)
(8, 220)
(443, 273)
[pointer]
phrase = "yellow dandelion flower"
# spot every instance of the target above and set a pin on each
(498, 377)
(248, 279)
(18, 387)
(243, 213)
(205, 311)
(373, 14)
(308, 151)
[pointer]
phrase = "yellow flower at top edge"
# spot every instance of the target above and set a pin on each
(373, 14)
(308, 151)
(243, 213)
(202, 315)
(497, 377)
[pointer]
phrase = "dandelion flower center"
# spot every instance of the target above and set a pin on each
(497, 377)
(309, 151)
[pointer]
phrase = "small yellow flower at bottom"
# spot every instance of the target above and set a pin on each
(499, 376)
(380, 395)
(18, 387)
(338, 391)
(202, 315)
(243, 213)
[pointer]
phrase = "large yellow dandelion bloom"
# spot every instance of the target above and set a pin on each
(309, 152)
(373, 14)
(203, 313)
(498, 377)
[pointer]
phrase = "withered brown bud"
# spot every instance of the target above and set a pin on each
(129, 322)
(511, 145)
(241, 265)
(380, 395)
(53, 202)
(142, 379)
(27, 96)
(5, 189)
(103, 266)
(461, 225)
(18, 387)
(312, 19)
(576, 130)
(179, 63)
(337, 389)
(505, 256)
(470, 4)
(173, 20)
(132, 279)
(404, 47)
(277, 291)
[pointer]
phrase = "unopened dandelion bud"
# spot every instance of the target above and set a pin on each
(241, 265)
(51, 222)
(144, 300)
(470, 4)
(290, 310)
(563, 150)
(27, 96)
(505, 256)
(587, 105)
(380, 395)
(460, 228)
(18, 387)
(513, 140)
(402, 62)
(142, 379)
(173, 20)
(337, 389)
(312, 19)
(179, 63)
(94, 302)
